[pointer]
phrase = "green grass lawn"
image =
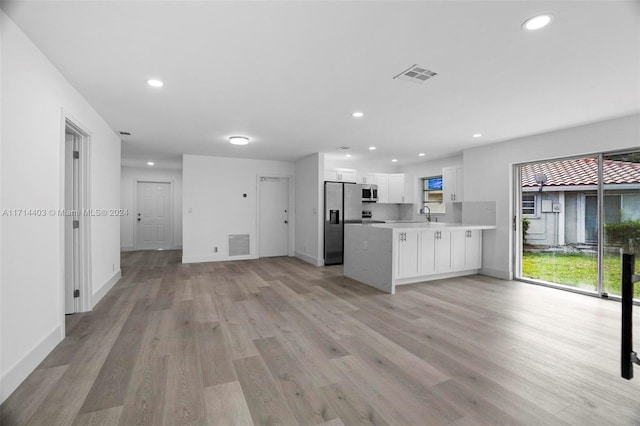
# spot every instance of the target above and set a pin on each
(577, 270)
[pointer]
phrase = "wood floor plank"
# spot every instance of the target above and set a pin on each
(20, 406)
(184, 394)
(106, 417)
(110, 386)
(215, 355)
(351, 408)
(308, 405)
(265, 402)
(226, 405)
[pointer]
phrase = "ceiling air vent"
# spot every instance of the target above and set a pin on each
(123, 133)
(416, 74)
(344, 147)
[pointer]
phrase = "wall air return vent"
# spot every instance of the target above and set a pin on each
(416, 74)
(239, 245)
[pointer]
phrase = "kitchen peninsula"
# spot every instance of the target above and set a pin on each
(383, 255)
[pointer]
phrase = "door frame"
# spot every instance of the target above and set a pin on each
(134, 214)
(70, 124)
(291, 229)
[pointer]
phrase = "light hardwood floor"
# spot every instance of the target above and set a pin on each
(278, 341)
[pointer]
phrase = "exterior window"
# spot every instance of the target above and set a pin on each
(432, 190)
(529, 205)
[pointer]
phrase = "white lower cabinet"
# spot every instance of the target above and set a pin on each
(466, 250)
(407, 254)
(422, 252)
(443, 252)
(473, 249)
(427, 253)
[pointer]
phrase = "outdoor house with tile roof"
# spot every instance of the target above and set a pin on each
(559, 199)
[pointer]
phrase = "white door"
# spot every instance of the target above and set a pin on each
(274, 217)
(71, 203)
(153, 217)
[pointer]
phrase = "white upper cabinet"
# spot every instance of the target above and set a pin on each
(367, 178)
(452, 184)
(382, 180)
(400, 188)
(340, 175)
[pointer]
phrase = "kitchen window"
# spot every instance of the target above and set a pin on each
(432, 190)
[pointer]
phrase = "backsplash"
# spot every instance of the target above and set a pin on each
(383, 211)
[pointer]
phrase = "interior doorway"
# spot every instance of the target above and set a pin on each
(153, 221)
(273, 216)
(76, 218)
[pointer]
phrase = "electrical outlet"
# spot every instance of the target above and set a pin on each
(113, 267)
(215, 249)
(365, 245)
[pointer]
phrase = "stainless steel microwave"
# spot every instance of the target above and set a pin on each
(369, 193)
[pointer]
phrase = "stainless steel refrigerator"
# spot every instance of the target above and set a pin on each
(342, 204)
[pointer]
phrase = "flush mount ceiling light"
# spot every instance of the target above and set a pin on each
(357, 114)
(422, 154)
(372, 148)
(239, 140)
(537, 22)
(348, 155)
(155, 83)
(395, 160)
(477, 135)
(150, 163)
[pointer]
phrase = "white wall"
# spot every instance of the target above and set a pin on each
(35, 100)
(488, 174)
(214, 207)
(128, 183)
(309, 210)
(359, 163)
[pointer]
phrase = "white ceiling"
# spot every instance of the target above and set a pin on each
(289, 74)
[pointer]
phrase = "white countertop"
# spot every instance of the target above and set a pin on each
(423, 225)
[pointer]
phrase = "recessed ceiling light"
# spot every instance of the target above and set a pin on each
(372, 148)
(422, 154)
(477, 135)
(358, 114)
(155, 83)
(395, 160)
(239, 140)
(150, 163)
(537, 22)
(348, 155)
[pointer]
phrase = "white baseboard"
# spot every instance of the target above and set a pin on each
(309, 259)
(19, 372)
(496, 273)
(105, 288)
(132, 248)
(199, 258)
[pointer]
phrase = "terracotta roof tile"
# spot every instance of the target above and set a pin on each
(582, 171)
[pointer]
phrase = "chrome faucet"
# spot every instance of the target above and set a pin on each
(427, 211)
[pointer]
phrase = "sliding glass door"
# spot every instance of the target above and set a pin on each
(574, 216)
(621, 187)
(558, 217)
